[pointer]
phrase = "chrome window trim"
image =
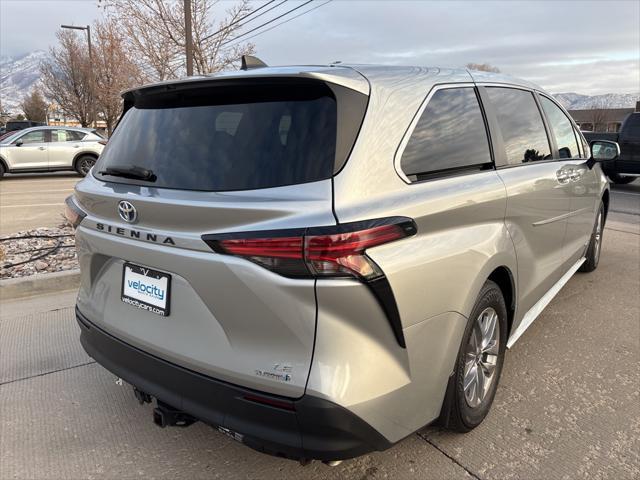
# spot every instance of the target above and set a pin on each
(416, 118)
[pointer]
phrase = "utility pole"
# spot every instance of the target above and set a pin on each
(92, 79)
(188, 37)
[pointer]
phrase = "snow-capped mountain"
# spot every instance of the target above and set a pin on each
(576, 101)
(19, 74)
(17, 77)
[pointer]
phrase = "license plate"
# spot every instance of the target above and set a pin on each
(146, 289)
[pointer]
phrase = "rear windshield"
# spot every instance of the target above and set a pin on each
(227, 139)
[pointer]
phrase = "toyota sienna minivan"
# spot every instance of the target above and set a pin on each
(320, 260)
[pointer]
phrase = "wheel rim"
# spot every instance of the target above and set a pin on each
(85, 165)
(598, 237)
(481, 357)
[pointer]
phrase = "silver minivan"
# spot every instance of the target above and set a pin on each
(319, 261)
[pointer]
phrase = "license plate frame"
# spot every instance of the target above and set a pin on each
(143, 300)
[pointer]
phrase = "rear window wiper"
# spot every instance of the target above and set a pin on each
(134, 172)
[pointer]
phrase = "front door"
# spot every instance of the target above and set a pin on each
(32, 152)
(580, 182)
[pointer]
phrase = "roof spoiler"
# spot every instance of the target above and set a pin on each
(250, 62)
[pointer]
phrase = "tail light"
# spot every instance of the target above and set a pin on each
(336, 251)
(102, 142)
(72, 212)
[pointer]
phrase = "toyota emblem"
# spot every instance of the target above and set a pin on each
(127, 211)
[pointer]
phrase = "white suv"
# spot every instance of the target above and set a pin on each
(41, 149)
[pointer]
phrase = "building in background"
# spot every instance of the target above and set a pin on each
(57, 118)
(602, 119)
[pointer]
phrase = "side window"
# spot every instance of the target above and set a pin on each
(523, 133)
(59, 136)
(33, 137)
(584, 151)
(450, 134)
(561, 128)
(74, 135)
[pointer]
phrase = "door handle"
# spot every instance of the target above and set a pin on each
(575, 175)
(41, 148)
(562, 176)
(76, 146)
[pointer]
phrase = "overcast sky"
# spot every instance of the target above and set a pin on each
(579, 46)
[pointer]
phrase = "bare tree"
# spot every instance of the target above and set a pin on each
(156, 35)
(35, 107)
(114, 71)
(483, 67)
(66, 77)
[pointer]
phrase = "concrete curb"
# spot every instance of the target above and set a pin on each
(39, 284)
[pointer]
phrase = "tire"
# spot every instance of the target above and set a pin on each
(2, 170)
(620, 179)
(595, 244)
(84, 164)
(464, 409)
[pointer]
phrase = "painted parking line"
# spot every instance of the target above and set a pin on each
(626, 193)
(59, 204)
(36, 191)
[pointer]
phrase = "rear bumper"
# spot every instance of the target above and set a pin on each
(313, 429)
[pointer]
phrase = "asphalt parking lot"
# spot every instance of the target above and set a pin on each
(568, 405)
(31, 201)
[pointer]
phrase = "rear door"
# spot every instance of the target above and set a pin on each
(64, 145)
(32, 153)
(225, 159)
(538, 189)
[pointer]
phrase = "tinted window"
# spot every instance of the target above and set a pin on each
(561, 128)
(523, 133)
(632, 126)
(229, 142)
(33, 137)
(449, 134)
(66, 135)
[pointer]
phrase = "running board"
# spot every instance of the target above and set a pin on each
(541, 304)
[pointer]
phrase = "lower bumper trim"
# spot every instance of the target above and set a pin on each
(314, 429)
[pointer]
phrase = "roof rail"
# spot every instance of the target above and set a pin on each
(249, 62)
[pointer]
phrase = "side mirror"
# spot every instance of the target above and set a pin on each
(604, 150)
(19, 142)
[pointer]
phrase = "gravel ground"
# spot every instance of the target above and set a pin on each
(41, 250)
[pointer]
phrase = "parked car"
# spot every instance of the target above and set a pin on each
(46, 149)
(319, 261)
(15, 125)
(627, 167)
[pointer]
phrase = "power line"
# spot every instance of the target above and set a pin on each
(246, 16)
(267, 23)
(281, 23)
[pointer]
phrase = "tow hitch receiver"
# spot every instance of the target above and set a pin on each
(166, 416)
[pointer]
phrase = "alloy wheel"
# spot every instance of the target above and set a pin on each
(481, 357)
(598, 237)
(86, 164)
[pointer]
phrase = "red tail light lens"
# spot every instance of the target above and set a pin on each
(72, 212)
(324, 251)
(343, 253)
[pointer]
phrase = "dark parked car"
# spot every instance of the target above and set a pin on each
(14, 125)
(627, 167)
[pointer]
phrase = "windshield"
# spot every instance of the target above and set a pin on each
(238, 139)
